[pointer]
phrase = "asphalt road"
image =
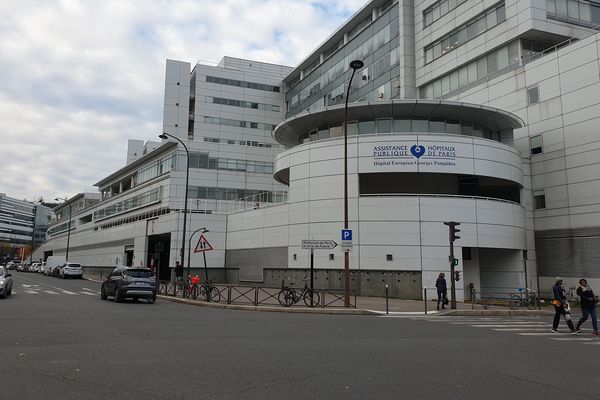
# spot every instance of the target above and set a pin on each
(58, 340)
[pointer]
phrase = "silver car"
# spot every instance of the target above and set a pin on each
(70, 270)
(6, 282)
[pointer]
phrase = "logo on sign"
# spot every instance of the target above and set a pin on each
(417, 150)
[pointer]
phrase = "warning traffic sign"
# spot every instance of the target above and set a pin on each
(202, 245)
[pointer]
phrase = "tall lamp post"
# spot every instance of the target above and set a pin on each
(69, 229)
(187, 181)
(33, 232)
(356, 64)
(203, 230)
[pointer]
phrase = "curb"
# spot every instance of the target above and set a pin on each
(300, 310)
(494, 313)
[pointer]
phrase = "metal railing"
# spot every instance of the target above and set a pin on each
(260, 295)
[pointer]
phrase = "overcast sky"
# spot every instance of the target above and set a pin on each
(79, 78)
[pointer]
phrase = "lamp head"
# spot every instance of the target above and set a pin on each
(356, 64)
(163, 136)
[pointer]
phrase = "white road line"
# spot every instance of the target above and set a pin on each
(67, 292)
(508, 326)
(574, 339)
(541, 333)
(50, 292)
(596, 343)
(89, 290)
(519, 329)
(31, 292)
(88, 293)
(516, 323)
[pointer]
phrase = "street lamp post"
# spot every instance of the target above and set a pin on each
(356, 64)
(33, 234)
(187, 181)
(203, 230)
(69, 228)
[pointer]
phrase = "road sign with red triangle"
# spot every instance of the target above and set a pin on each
(202, 245)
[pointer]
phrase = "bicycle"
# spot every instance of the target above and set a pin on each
(191, 287)
(289, 295)
(518, 300)
(482, 301)
(207, 289)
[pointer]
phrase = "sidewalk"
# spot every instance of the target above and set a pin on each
(365, 306)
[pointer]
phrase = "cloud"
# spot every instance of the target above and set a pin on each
(82, 77)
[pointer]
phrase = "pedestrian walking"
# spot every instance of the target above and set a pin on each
(588, 306)
(561, 306)
(178, 271)
(442, 290)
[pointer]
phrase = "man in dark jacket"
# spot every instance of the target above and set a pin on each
(178, 271)
(561, 306)
(588, 306)
(442, 290)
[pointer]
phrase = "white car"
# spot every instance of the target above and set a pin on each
(70, 270)
(5, 283)
(42, 269)
(35, 267)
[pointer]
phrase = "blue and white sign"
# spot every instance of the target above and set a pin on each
(347, 235)
(442, 155)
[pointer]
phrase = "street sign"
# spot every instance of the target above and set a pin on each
(347, 246)
(311, 244)
(347, 234)
(202, 245)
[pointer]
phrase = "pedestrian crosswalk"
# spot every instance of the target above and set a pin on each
(30, 289)
(527, 327)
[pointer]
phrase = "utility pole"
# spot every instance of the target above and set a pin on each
(454, 275)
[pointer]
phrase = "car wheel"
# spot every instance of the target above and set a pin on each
(117, 296)
(103, 295)
(3, 295)
(9, 291)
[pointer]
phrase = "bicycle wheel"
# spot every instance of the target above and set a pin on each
(515, 302)
(204, 293)
(215, 294)
(286, 297)
(311, 298)
(531, 303)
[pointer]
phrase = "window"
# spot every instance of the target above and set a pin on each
(539, 199)
(533, 95)
(536, 144)
(389, 257)
(295, 257)
(331, 257)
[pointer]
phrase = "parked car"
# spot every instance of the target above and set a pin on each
(11, 265)
(70, 270)
(6, 283)
(35, 267)
(54, 262)
(42, 268)
(20, 268)
(126, 282)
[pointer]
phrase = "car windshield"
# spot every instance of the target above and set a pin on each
(73, 265)
(138, 273)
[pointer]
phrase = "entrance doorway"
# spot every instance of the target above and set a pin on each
(158, 255)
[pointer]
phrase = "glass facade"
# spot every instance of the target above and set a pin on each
(244, 84)
(238, 123)
(583, 13)
(480, 70)
(243, 104)
(473, 28)
(202, 160)
(438, 9)
(155, 169)
(141, 200)
(220, 193)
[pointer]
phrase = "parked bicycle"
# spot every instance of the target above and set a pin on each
(482, 301)
(209, 292)
(290, 295)
(528, 300)
(191, 289)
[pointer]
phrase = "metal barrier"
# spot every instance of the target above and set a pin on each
(260, 295)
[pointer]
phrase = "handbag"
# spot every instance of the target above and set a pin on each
(445, 300)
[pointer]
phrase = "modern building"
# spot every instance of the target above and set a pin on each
(476, 111)
(22, 224)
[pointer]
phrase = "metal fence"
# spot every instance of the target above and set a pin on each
(260, 295)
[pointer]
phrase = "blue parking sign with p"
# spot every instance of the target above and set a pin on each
(346, 234)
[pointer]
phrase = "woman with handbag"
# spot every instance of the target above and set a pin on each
(442, 290)
(561, 306)
(588, 306)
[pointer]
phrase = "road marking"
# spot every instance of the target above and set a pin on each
(574, 339)
(519, 329)
(67, 292)
(31, 292)
(542, 334)
(88, 293)
(503, 322)
(89, 290)
(50, 292)
(508, 326)
(596, 343)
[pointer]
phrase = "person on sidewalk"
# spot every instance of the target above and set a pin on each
(178, 271)
(442, 290)
(561, 306)
(588, 306)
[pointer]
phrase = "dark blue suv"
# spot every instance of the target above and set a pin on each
(129, 282)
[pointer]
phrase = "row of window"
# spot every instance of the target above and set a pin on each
(389, 125)
(459, 36)
(474, 73)
(249, 143)
(142, 216)
(59, 228)
(143, 199)
(155, 169)
(238, 123)
(579, 12)
(244, 84)
(439, 9)
(202, 160)
(220, 193)
(242, 103)
(383, 36)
